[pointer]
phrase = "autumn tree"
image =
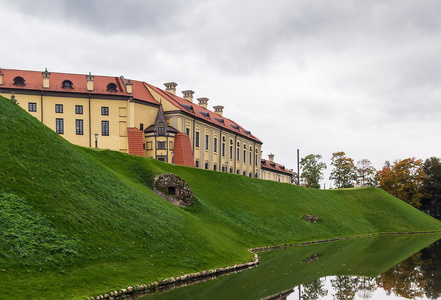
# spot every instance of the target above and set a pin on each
(403, 179)
(344, 173)
(365, 173)
(431, 201)
(312, 170)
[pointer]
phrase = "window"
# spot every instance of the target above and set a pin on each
(170, 145)
(238, 153)
(105, 128)
(79, 126)
(111, 87)
(104, 110)
(161, 145)
(215, 144)
(231, 170)
(59, 126)
(215, 167)
(32, 106)
(197, 164)
(223, 149)
(206, 141)
(58, 108)
(161, 130)
(141, 126)
(79, 109)
(197, 139)
(251, 157)
(19, 81)
(149, 145)
(223, 168)
(67, 84)
(231, 152)
(187, 131)
(244, 155)
(206, 166)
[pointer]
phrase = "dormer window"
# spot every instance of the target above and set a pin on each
(235, 126)
(19, 81)
(205, 114)
(161, 130)
(67, 84)
(111, 87)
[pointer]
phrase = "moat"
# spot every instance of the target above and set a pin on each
(383, 267)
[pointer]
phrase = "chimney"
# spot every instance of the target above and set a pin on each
(203, 102)
(1, 77)
(188, 95)
(46, 76)
(219, 109)
(89, 82)
(271, 157)
(171, 87)
(129, 87)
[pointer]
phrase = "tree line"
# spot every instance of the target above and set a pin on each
(412, 180)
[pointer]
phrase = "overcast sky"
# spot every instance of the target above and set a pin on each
(320, 76)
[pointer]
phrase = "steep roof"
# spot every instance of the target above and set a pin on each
(204, 114)
(33, 80)
(274, 167)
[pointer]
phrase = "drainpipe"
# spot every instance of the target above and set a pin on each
(235, 154)
(220, 151)
(41, 104)
(90, 126)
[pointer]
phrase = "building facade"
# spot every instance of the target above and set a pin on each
(135, 117)
(274, 171)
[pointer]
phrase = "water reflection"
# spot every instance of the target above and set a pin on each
(339, 270)
(417, 277)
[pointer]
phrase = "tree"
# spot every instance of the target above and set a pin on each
(365, 173)
(312, 170)
(344, 173)
(404, 180)
(431, 201)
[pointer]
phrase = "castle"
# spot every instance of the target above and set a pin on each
(138, 118)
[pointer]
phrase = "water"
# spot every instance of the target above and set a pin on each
(386, 267)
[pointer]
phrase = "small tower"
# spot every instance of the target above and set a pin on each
(46, 76)
(90, 82)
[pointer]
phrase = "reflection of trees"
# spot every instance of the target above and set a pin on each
(314, 290)
(366, 287)
(345, 287)
(432, 270)
(405, 279)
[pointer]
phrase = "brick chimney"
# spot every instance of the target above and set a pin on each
(188, 95)
(90, 82)
(203, 102)
(46, 76)
(271, 157)
(219, 109)
(171, 87)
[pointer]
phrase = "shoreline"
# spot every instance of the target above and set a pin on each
(202, 276)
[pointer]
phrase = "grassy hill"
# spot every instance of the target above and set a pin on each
(76, 222)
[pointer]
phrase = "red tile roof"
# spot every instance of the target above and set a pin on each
(34, 81)
(135, 138)
(274, 167)
(204, 114)
(183, 154)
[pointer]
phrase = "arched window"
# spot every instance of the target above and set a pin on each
(19, 81)
(67, 84)
(111, 87)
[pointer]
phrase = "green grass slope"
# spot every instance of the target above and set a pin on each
(89, 221)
